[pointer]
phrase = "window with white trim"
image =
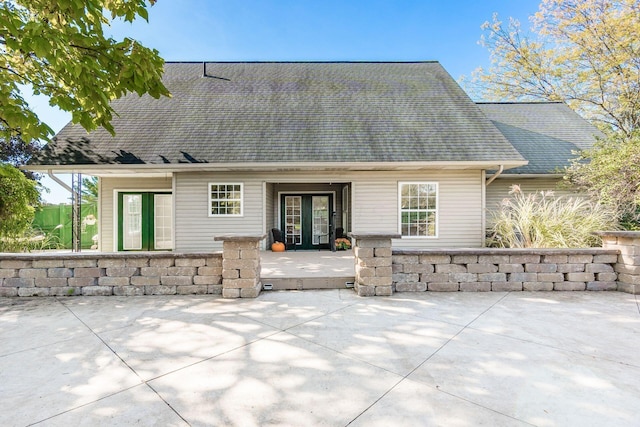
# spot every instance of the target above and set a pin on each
(418, 209)
(225, 199)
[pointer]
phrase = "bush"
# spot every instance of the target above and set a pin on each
(542, 220)
(18, 198)
(609, 173)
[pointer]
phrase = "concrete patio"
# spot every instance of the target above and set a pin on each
(307, 269)
(322, 358)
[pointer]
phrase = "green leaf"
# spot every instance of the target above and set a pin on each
(66, 56)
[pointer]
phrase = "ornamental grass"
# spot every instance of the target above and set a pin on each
(543, 220)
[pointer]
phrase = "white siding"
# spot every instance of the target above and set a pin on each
(375, 207)
(271, 212)
(195, 229)
(107, 202)
(499, 189)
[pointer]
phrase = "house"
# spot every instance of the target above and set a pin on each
(244, 147)
(547, 134)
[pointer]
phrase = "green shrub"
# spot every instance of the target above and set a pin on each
(542, 220)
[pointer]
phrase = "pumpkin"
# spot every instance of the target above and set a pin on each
(277, 247)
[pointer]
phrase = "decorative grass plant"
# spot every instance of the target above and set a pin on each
(543, 220)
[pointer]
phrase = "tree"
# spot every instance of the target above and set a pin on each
(17, 152)
(58, 48)
(18, 198)
(612, 176)
(90, 190)
(583, 52)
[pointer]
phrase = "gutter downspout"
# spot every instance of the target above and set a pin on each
(494, 176)
(59, 181)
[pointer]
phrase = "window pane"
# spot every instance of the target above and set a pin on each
(418, 209)
(293, 220)
(404, 203)
(132, 222)
(226, 199)
(413, 203)
(163, 222)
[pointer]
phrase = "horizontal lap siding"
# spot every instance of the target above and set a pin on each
(375, 204)
(107, 201)
(270, 214)
(374, 207)
(195, 229)
(499, 189)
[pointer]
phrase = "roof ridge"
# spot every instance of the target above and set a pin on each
(305, 62)
(517, 102)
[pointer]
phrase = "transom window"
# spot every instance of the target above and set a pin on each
(225, 199)
(418, 209)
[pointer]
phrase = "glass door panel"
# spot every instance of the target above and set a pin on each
(320, 221)
(293, 220)
(306, 220)
(132, 222)
(163, 221)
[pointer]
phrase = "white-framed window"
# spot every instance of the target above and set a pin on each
(225, 199)
(418, 209)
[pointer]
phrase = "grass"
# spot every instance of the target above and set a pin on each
(542, 220)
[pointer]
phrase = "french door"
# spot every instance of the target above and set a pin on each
(145, 221)
(306, 220)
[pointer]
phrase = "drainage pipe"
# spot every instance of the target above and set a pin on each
(59, 181)
(494, 176)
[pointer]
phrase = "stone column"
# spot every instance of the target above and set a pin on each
(240, 265)
(372, 254)
(628, 265)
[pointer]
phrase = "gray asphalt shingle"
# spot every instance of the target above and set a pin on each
(546, 133)
(247, 112)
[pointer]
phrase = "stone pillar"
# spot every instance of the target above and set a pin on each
(628, 265)
(240, 265)
(372, 254)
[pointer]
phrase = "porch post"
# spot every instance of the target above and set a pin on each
(240, 265)
(373, 256)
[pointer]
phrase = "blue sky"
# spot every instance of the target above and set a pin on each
(270, 30)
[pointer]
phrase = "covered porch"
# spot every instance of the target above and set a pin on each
(308, 214)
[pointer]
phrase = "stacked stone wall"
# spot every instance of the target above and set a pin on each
(144, 273)
(484, 270)
(373, 264)
(627, 244)
(241, 265)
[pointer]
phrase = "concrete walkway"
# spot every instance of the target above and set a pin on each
(322, 358)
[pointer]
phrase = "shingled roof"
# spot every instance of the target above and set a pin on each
(545, 133)
(291, 113)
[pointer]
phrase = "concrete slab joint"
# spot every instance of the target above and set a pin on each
(241, 265)
(373, 259)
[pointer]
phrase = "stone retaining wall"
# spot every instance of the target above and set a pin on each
(484, 270)
(144, 273)
(241, 265)
(627, 244)
(373, 258)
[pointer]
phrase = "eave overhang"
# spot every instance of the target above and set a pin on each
(134, 169)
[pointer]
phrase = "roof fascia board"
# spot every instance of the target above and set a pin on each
(265, 166)
(530, 175)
